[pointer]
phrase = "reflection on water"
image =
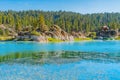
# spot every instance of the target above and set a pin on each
(60, 61)
(88, 46)
(60, 65)
(59, 57)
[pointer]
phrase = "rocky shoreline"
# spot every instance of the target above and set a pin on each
(56, 34)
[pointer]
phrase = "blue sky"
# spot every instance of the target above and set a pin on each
(81, 6)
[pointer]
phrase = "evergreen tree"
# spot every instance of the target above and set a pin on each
(68, 21)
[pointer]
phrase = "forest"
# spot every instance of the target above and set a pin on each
(68, 21)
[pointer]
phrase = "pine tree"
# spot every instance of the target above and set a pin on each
(41, 23)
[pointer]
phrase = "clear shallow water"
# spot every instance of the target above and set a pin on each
(82, 70)
(104, 64)
(90, 46)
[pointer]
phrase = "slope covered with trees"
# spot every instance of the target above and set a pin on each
(71, 25)
(69, 21)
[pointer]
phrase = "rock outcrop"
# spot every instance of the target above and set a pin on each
(106, 32)
(8, 31)
(54, 32)
(58, 33)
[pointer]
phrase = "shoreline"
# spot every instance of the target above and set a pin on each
(56, 41)
(53, 40)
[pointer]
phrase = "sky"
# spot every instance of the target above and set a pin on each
(80, 6)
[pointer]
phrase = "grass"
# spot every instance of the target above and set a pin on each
(82, 39)
(6, 38)
(118, 38)
(76, 39)
(54, 40)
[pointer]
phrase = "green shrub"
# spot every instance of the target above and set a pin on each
(35, 33)
(92, 35)
(118, 38)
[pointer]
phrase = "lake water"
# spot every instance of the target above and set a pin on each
(101, 61)
(86, 46)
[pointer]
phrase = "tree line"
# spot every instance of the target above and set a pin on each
(69, 21)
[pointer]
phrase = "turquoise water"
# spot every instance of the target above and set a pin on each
(102, 61)
(90, 46)
(82, 70)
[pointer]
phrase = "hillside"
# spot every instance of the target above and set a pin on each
(41, 22)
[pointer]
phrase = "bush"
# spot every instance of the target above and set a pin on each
(118, 38)
(2, 32)
(35, 33)
(92, 35)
